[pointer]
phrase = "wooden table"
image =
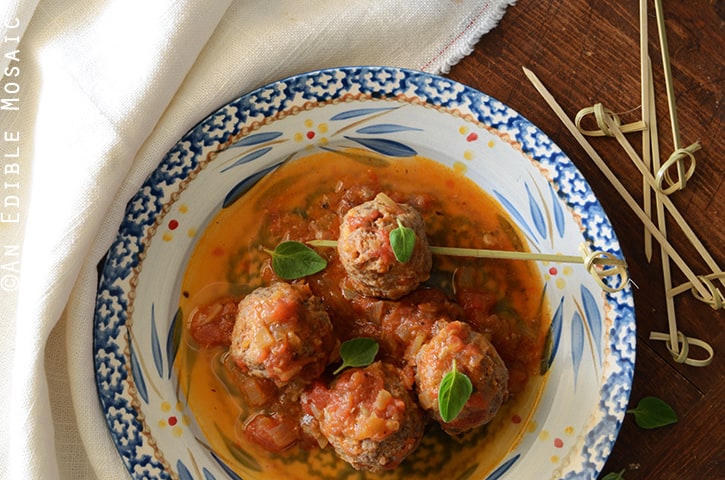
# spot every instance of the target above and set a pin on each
(587, 52)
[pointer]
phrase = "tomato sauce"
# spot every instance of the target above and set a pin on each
(304, 200)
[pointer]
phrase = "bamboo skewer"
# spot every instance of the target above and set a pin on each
(662, 182)
(678, 156)
(708, 280)
(662, 224)
(674, 338)
(605, 169)
(616, 183)
(689, 233)
(599, 264)
(651, 157)
(668, 73)
(602, 129)
(709, 295)
(645, 90)
(507, 255)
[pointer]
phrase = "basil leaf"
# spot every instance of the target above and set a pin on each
(292, 260)
(357, 352)
(454, 391)
(653, 412)
(402, 241)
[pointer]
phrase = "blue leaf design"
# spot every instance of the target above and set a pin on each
(359, 112)
(577, 343)
(593, 318)
(384, 128)
(558, 212)
(155, 344)
(225, 467)
(207, 474)
(138, 374)
(248, 158)
(536, 214)
(555, 331)
(514, 213)
(242, 187)
(184, 473)
(390, 148)
(173, 339)
(256, 139)
(503, 468)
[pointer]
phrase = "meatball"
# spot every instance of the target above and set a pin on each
(404, 325)
(367, 415)
(365, 251)
(282, 333)
(476, 357)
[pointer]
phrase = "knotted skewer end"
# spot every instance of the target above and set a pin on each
(602, 265)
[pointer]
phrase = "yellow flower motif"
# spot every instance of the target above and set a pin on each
(558, 274)
(313, 134)
(471, 138)
(174, 421)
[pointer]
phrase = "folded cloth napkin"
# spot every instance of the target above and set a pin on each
(92, 95)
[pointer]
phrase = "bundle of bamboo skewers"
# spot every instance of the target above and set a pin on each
(660, 179)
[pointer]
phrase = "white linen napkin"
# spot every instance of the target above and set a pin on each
(104, 89)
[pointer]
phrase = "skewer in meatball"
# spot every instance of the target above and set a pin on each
(283, 333)
(474, 356)
(367, 256)
(368, 416)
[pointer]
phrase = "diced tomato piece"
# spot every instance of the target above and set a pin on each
(274, 432)
(212, 324)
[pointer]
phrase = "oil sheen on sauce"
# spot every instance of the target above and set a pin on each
(303, 200)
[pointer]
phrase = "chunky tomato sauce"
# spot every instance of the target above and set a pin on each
(305, 200)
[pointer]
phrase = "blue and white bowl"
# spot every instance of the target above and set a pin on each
(394, 113)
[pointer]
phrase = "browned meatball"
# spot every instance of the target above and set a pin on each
(406, 324)
(368, 417)
(282, 333)
(365, 251)
(475, 357)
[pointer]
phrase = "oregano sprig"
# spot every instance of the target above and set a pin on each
(357, 352)
(453, 392)
(402, 241)
(292, 260)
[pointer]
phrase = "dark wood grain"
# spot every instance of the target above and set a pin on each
(587, 52)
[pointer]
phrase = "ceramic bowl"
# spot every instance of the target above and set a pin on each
(571, 424)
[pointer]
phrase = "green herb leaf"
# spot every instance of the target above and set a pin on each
(402, 241)
(453, 393)
(357, 352)
(614, 475)
(652, 412)
(292, 260)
